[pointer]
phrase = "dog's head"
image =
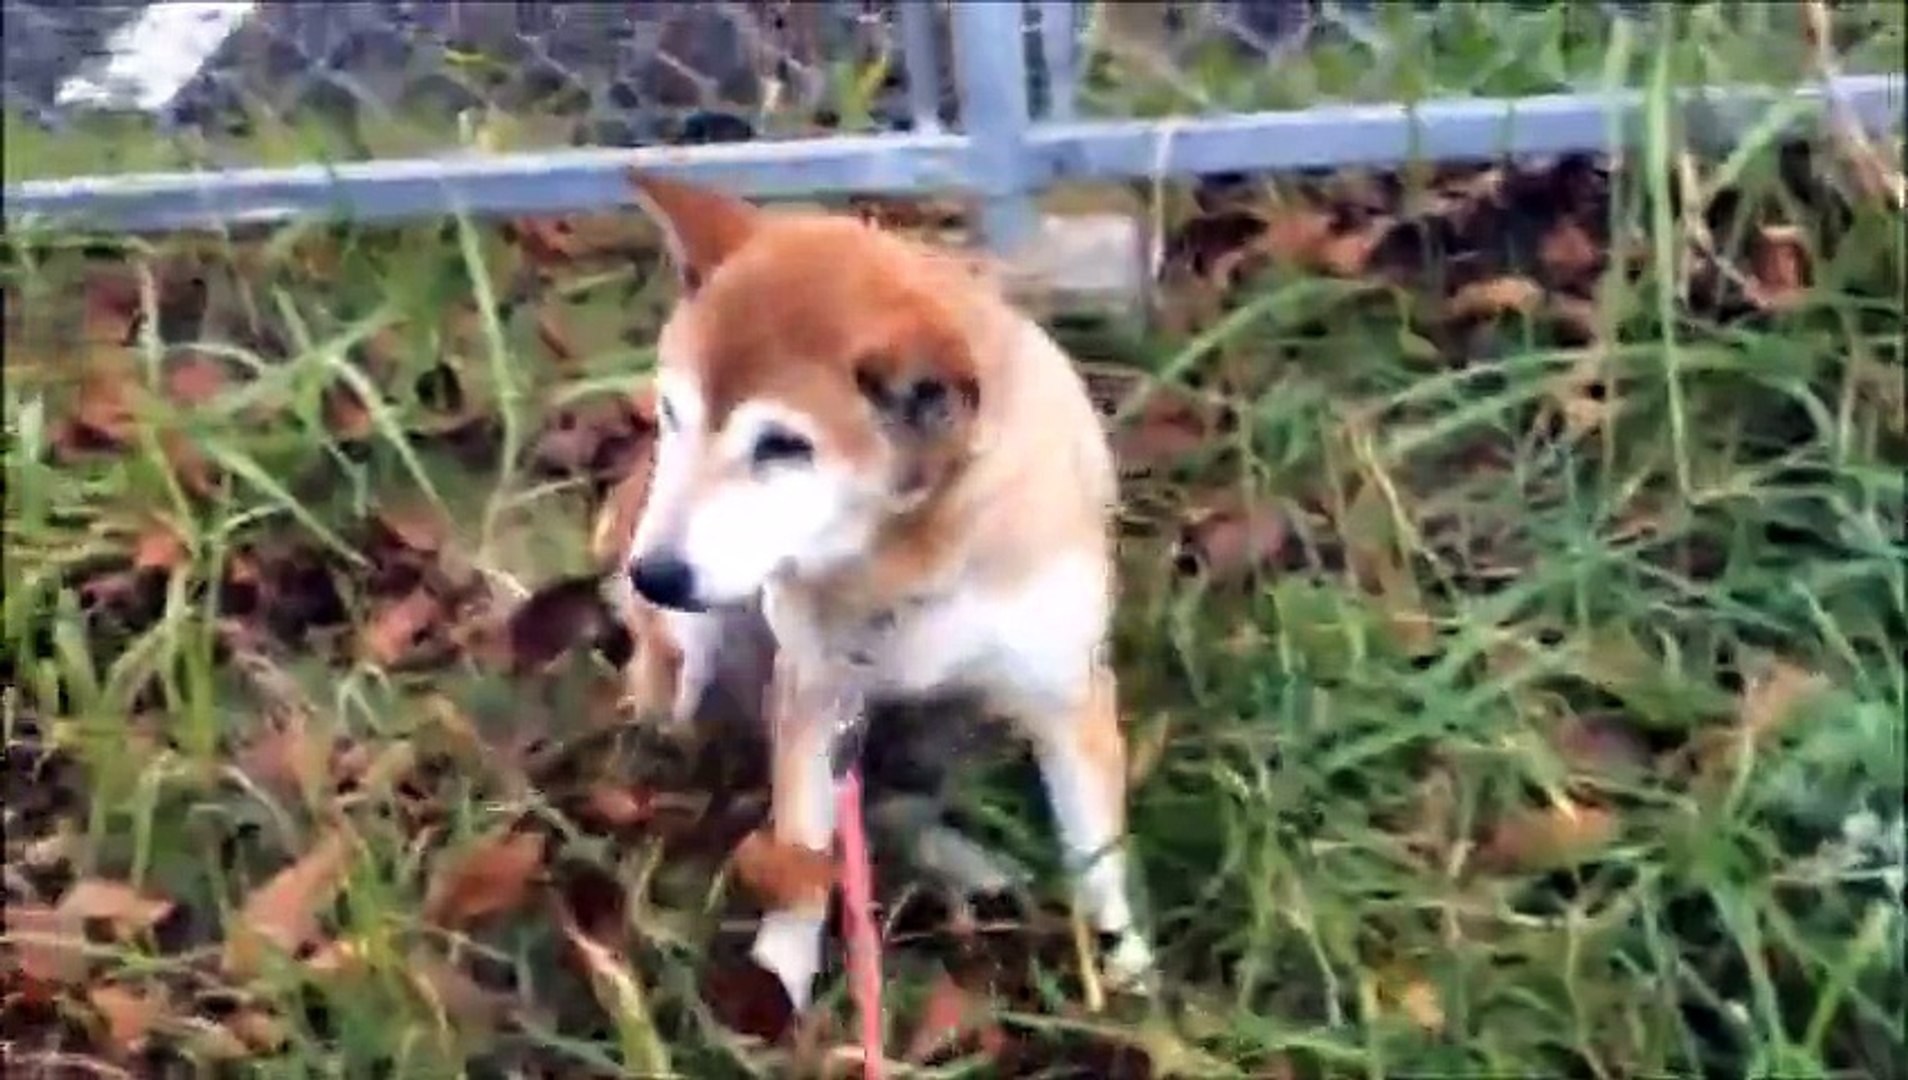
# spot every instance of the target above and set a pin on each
(815, 380)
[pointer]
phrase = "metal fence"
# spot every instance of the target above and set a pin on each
(177, 115)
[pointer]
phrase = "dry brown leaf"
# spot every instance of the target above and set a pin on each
(1420, 1003)
(129, 1014)
(1583, 410)
(554, 335)
(555, 619)
(1411, 627)
(556, 243)
(1171, 424)
(1348, 254)
(619, 806)
(382, 354)
(258, 1030)
(492, 878)
(1295, 235)
(105, 406)
(1430, 827)
(346, 415)
(1568, 254)
(1778, 268)
(337, 957)
(283, 914)
(621, 995)
(950, 1015)
(159, 547)
(418, 526)
(284, 758)
(783, 875)
(1772, 698)
(448, 989)
(1577, 315)
(597, 902)
(112, 307)
(128, 910)
(208, 1042)
(391, 635)
(1599, 745)
(1493, 297)
(195, 379)
(47, 946)
(748, 999)
(1231, 541)
(1564, 834)
(189, 464)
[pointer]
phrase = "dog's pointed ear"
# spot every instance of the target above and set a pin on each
(700, 227)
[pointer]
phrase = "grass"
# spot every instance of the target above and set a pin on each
(1560, 735)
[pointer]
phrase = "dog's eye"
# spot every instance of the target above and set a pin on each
(776, 447)
(666, 413)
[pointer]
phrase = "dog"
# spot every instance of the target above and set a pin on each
(875, 480)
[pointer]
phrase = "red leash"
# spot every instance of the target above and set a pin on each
(864, 941)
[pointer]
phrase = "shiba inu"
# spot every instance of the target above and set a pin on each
(875, 480)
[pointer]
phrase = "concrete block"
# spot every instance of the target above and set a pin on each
(1081, 262)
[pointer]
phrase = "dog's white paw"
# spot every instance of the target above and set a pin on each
(788, 946)
(1130, 966)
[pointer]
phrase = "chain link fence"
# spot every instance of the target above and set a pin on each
(363, 79)
(98, 91)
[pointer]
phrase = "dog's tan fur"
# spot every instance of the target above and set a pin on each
(987, 563)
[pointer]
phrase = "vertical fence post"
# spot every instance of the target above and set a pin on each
(1058, 25)
(990, 58)
(923, 62)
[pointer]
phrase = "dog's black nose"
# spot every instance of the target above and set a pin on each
(666, 581)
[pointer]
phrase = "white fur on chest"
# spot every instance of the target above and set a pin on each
(1027, 647)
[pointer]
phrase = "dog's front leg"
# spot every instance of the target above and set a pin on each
(805, 710)
(1082, 758)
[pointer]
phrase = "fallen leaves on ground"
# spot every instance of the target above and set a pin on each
(346, 415)
(1774, 696)
(493, 877)
(1564, 833)
(1171, 425)
(1417, 1000)
(1494, 297)
(1600, 745)
(1518, 246)
(103, 415)
(50, 942)
(128, 1014)
(1229, 540)
(951, 1016)
(748, 999)
(453, 994)
(126, 909)
(48, 946)
(1779, 277)
(623, 996)
(619, 806)
(416, 526)
(556, 619)
(284, 914)
(398, 630)
(159, 547)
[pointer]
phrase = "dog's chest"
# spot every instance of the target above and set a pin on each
(1029, 645)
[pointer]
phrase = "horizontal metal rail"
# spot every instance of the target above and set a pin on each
(566, 181)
